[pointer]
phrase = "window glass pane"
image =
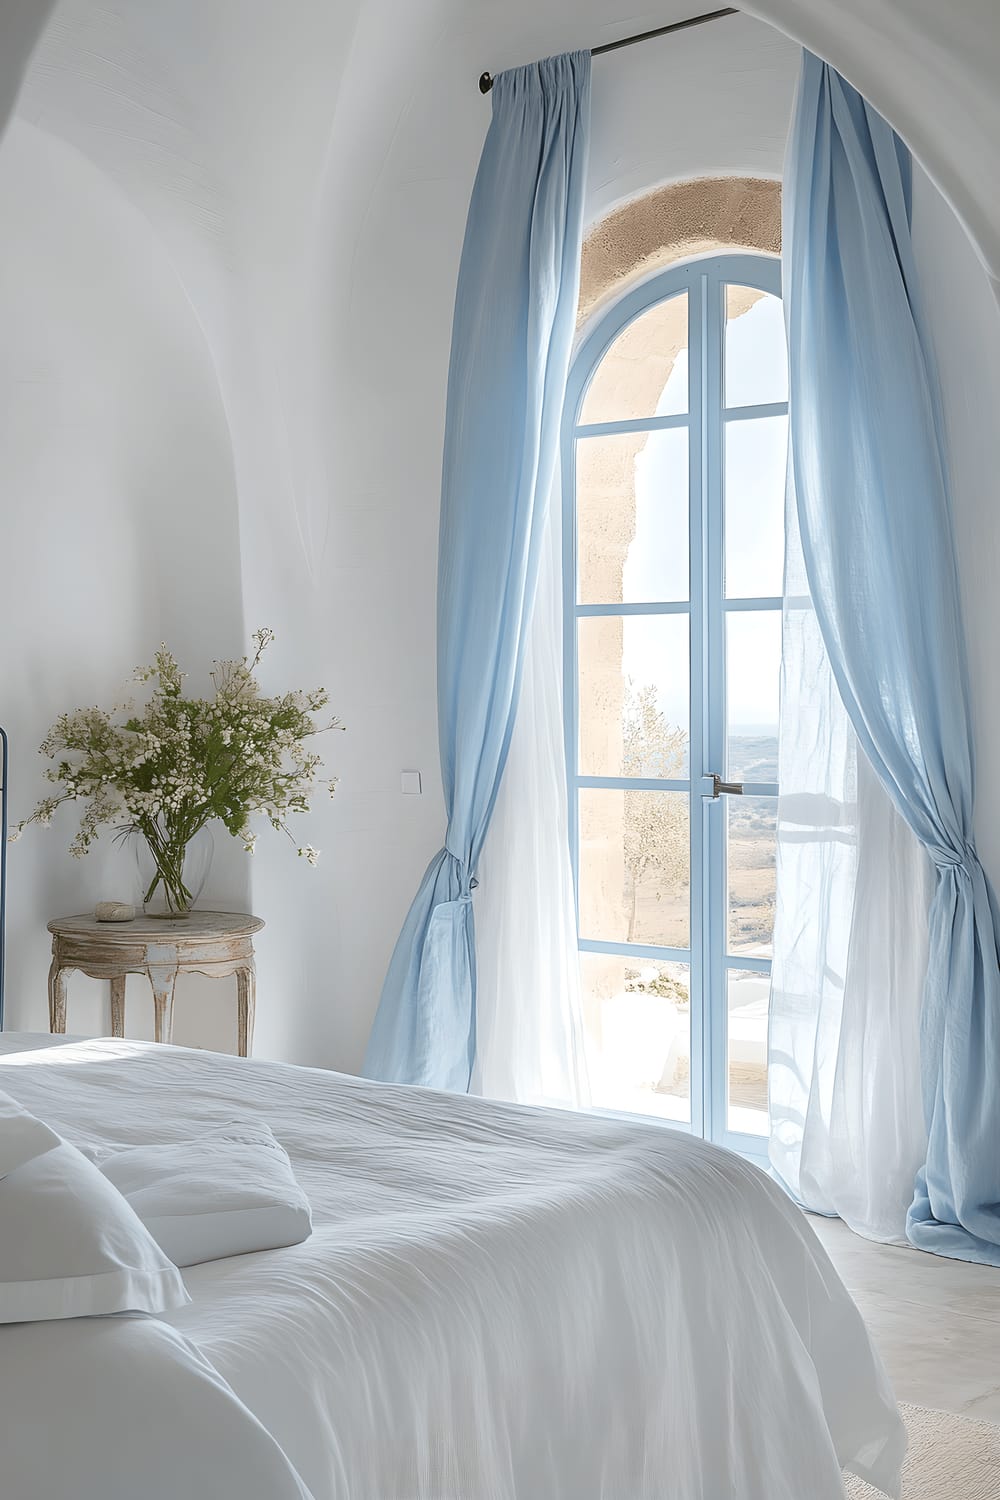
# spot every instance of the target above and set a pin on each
(634, 874)
(637, 1019)
(632, 518)
(645, 371)
(756, 358)
(633, 695)
(755, 507)
(746, 1060)
(751, 836)
(753, 663)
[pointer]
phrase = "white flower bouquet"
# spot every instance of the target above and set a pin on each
(179, 763)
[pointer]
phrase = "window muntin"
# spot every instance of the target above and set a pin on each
(673, 462)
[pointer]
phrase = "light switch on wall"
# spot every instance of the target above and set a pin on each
(409, 783)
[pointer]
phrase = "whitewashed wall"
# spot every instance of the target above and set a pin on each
(119, 510)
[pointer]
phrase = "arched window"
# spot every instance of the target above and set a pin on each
(673, 471)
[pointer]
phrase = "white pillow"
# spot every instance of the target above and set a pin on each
(22, 1137)
(71, 1247)
(226, 1193)
(127, 1409)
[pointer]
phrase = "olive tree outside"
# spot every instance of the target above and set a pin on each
(656, 824)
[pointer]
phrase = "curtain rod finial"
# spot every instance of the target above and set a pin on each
(485, 83)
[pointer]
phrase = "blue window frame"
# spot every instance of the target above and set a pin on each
(720, 615)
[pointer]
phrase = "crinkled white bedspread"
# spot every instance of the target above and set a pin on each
(501, 1303)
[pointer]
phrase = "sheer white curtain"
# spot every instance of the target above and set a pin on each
(854, 886)
(529, 1040)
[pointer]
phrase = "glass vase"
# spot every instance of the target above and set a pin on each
(171, 880)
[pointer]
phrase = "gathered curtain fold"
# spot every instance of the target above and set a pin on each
(513, 327)
(873, 509)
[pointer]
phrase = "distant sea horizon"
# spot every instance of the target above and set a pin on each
(753, 752)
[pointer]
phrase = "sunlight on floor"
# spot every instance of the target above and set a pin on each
(640, 1045)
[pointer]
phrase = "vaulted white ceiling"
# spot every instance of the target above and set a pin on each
(223, 109)
(287, 159)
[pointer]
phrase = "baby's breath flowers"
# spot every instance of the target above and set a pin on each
(179, 763)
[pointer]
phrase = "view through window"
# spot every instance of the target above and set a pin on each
(674, 467)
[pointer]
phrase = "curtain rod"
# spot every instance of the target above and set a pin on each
(486, 79)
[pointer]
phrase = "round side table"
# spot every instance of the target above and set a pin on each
(217, 943)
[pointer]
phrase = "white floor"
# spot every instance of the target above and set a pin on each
(935, 1322)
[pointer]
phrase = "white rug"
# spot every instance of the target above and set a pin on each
(949, 1458)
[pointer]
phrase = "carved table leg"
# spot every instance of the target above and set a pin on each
(57, 997)
(162, 977)
(118, 1005)
(246, 995)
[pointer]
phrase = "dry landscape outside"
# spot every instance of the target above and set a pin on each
(638, 1009)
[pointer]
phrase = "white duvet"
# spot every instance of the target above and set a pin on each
(500, 1303)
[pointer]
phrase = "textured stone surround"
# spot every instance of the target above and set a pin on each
(673, 223)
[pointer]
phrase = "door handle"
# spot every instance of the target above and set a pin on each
(722, 788)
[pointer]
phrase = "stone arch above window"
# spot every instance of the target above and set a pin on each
(683, 219)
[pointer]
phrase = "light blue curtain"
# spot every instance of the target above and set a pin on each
(874, 512)
(515, 313)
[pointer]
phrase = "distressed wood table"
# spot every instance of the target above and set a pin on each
(216, 943)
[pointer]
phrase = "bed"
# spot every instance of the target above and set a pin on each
(501, 1303)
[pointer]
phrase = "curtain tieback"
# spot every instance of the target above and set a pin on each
(467, 882)
(965, 859)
